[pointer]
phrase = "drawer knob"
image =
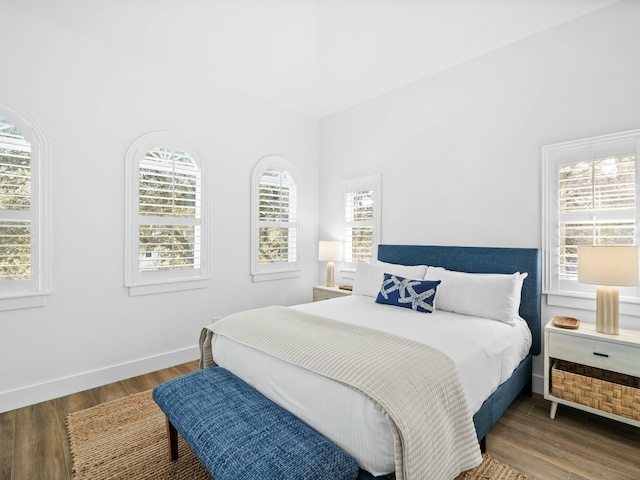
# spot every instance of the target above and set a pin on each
(601, 354)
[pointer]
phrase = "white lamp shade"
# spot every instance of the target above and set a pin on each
(608, 265)
(330, 251)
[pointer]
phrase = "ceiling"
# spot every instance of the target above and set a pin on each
(317, 57)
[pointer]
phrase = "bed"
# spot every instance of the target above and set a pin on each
(361, 426)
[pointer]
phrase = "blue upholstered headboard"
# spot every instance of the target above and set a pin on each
(481, 260)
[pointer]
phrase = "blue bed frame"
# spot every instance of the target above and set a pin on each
(487, 260)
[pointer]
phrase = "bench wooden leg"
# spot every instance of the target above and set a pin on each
(172, 434)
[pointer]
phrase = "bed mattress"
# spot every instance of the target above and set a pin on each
(485, 352)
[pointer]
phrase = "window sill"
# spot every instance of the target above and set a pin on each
(20, 302)
(584, 301)
(152, 289)
(268, 276)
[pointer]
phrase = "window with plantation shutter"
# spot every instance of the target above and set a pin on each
(167, 222)
(361, 199)
(590, 199)
(23, 220)
(274, 220)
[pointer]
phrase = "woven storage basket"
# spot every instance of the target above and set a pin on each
(604, 390)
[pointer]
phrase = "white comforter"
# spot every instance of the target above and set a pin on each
(485, 351)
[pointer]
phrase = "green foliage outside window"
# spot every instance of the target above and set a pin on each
(276, 214)
(169, 186)
(597, 201)
(359, 209)
(15, 197)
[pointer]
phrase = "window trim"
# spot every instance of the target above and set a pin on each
(35, 294)
(261, 273)
(568, 152)
(172, 281)
(372, 182)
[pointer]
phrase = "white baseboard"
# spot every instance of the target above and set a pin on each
(60, 387)
(42, 392)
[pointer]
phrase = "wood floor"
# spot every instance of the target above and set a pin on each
(574, 446)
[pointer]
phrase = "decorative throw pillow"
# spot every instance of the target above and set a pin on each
(417, 295)
(369, 276)
(488, 295)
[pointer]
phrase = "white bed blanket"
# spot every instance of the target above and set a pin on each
(485, 351)
(434, 436)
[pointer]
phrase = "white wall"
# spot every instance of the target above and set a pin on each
(460, 152)
(93, 94)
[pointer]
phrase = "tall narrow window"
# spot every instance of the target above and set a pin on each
(591, 191)
(23, 218)
(275, 220)
(361, 199)
(167, 223)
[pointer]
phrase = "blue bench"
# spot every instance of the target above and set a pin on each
(237, 432)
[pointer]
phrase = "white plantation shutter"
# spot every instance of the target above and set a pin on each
(597, 201)
(275, 219)
(359, 225)
(170, 211)
(24, 279)
(15, 206)
(167, 220)
(590, 199)
(361, 203)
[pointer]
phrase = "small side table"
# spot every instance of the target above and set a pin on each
(322, 292)
(586, 348)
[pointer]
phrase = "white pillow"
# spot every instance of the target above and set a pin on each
(369, 276)
(489, 295)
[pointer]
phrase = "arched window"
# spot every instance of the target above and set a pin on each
(24, 272)
(166, 204)
(274, 234)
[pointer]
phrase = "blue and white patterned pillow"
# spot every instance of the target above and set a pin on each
(408, 293)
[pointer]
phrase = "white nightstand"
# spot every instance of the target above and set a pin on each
(322, 292)
(586, 347)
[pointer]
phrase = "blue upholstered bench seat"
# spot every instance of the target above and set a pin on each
(237, 433)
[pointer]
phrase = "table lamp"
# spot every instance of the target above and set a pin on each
(330, 252)
(609, 267)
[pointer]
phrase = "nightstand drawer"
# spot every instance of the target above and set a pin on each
(322, 295)
(326, 293)
(596, 353)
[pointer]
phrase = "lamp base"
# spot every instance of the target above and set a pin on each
(607, 310)
(330, 268)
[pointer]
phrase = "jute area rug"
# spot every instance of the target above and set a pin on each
(126, 439)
